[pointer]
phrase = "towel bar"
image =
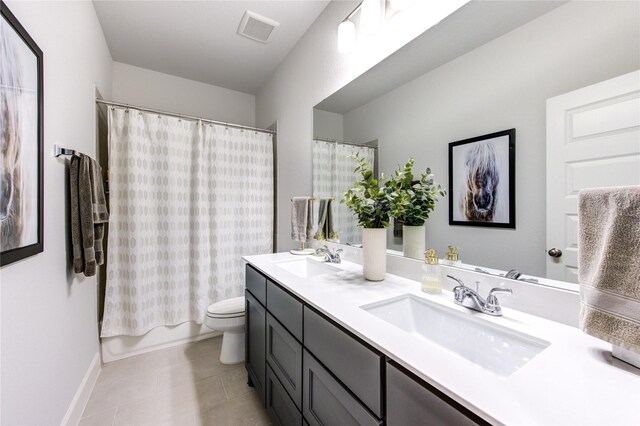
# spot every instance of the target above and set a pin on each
(58, 151)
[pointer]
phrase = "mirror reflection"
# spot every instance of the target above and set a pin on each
(455, 83)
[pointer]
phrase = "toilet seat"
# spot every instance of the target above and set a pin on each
(229, 308)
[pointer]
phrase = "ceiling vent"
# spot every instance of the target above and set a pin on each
(257, 27)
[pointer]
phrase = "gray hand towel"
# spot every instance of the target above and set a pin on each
(301, 219)
(88, 214)
(609, 264)
(325, 221)
(322, 219)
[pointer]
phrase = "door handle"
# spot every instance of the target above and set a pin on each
(554, 252)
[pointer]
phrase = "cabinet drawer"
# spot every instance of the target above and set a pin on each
(408, 400)
(256, 283)
(327, 402)
(355, 365)
(281, 409)
(255, 319)
(285, 308)
(284, 355)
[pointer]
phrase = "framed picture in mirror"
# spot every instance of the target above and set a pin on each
(482, 180)
(21, 139)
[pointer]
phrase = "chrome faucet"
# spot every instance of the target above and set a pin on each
(330, 256)
(469, 298)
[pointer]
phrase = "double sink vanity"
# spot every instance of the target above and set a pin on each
(326, 347)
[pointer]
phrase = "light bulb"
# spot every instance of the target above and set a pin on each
(371, 13)
(346, 37)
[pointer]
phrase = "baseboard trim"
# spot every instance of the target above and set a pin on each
(80, 399)
(135, 345)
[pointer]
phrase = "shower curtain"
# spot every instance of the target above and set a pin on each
(187, 200)
(332, 176)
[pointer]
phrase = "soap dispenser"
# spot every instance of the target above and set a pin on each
(451, 257)
(431, 282)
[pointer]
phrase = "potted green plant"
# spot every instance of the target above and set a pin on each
(411, 203)
(369, 200)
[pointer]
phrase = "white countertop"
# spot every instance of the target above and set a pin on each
(574, 381)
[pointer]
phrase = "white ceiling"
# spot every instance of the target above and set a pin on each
(198, 40)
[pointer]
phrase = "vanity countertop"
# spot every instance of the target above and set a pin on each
(574, 381)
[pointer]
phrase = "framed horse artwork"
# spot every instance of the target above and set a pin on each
(482, 180)
(21, 141)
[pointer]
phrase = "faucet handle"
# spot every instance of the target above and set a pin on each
(492, 299)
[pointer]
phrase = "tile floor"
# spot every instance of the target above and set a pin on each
(184, 385)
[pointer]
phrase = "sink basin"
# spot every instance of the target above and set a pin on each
(305, 268)
(496, 348)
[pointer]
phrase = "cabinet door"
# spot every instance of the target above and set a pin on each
(255, 343)
(411, 403)
(284, 356)
(281, 409)
(327, 402)
(354, 364)
(256, 283)
(285, 308)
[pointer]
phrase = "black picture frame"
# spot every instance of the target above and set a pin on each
(477, 176)
(13, 248)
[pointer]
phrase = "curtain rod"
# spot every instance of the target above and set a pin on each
(359, 145)
(183, 116)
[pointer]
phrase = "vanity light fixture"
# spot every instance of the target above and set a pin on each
(346, 36)
(371, 13)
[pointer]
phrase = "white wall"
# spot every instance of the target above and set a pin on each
(501, 85)
(49, 326)
(327, 125)
(151, 89)
(312, 71)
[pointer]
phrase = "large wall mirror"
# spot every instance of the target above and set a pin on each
(489, 67)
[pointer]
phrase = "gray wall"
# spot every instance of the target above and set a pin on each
(327, 125)
(49, 314)
(312, 71)
(152, 89)
(501, 85)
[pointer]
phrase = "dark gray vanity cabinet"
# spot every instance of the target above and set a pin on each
(353, 363)
(255, 322)
(412, 402)
(327, 402)
(284, 356)
(311, 371)
(281, 408)
(255, 327)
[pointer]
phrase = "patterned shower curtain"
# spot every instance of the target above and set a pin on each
(187, 200)
(332, 176)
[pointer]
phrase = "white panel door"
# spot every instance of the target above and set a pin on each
(593, 140)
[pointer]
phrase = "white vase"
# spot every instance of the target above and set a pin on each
(374, 253)
(413, 241)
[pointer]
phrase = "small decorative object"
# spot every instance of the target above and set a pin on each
(482, 181)
(21, 216)
(411, 203)
(431, 275)
(369, 200)
(451, 257)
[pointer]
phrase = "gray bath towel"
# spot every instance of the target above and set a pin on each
(301, 219)
(325, 220)
(88, 214)
(609, 264)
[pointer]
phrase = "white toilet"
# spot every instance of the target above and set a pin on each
(228, 316)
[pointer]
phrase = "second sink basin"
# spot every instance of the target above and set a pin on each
(305, 268)
(496, 348)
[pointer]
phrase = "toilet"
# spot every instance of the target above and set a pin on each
(228, 316)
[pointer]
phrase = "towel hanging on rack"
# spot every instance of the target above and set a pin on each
(88, 213)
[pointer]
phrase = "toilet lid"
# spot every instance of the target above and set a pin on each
(227, 308)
